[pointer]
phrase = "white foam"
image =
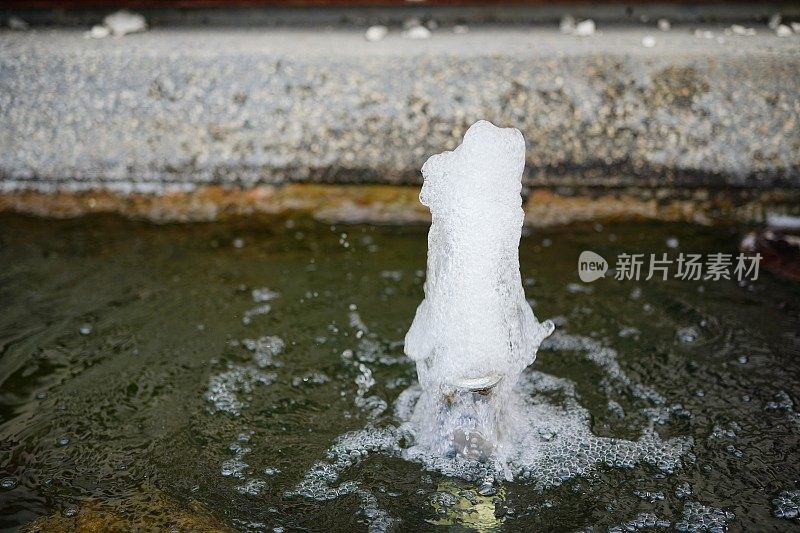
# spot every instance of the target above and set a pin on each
(699, 518)
(229, 391)
(546, 442)
(474, 319)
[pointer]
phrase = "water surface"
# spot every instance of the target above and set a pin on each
(191, 376)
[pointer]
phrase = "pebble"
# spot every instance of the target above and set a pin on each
(376, 33)
(124, 22)
(97, 32)
(664, 25)
(460, 29)
(417, 32)
(567, 24)
(8, 483)
(585, 28)
(783, 31)
(648, 41)
(737, 29)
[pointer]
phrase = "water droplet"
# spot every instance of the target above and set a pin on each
(487, 489)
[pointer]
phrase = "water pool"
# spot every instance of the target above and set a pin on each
(192, 376)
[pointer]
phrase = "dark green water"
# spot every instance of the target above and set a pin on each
(112, 333)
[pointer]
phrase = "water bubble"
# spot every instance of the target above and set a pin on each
(683, 490)
(700, 518)
(265, 349)
(264, 309)
(576, 288)
(62, 441)
(252, 487)
(643, 521)
(263, 295)
(311, 378)
(393, 275)
(651, 497)
(238, 243)
(86, 329)
(787, 505)
(224, 389)
(487, 489)
(69, 511)
(782, 402)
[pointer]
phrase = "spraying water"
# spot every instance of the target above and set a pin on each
(474, 333)
(478, 413)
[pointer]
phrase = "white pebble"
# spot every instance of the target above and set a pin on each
(567, 24)
(736, 29)
(783, 31)
(648, 41)
(664, 25)
(124, 22)
(585, 28)
(704, 34)
(97, 32)
(376, 33)
(774, 21)
(460, 29)
(417, 32)
(796, 27)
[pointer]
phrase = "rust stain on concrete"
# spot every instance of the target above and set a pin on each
(396, 204)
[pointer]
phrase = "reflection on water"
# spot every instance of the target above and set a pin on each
(251, 376)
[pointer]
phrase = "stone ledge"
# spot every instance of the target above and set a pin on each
(184, 108)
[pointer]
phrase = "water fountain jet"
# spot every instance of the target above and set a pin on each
(474, 332)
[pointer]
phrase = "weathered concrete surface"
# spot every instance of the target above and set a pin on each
(181, 108)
